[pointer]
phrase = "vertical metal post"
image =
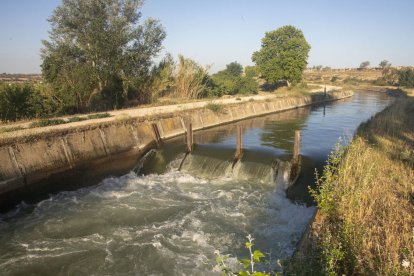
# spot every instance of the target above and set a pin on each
(189, 137)
(296, 147)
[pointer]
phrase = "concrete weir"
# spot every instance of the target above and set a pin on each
(27, 158)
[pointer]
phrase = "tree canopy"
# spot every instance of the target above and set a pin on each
(234, 69)
(283, 55)
(97, 49)
(384, 64)
(364, 65)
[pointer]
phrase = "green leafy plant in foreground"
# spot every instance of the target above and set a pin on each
(324, 195)
(331, 242)
(256, 257)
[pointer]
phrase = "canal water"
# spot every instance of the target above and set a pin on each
(156, 220)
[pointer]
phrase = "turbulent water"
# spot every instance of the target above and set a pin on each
(156, 224)
(170, 222)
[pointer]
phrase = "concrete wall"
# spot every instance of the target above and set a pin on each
(36, 157)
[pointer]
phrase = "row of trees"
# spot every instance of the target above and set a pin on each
(183, 78)
(364, 65)
(99, 57)
(382, 65)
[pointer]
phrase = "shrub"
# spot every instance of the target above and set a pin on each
(406, 77)
(99, 116)
(15, 102)
(380, 82)
(215, 107)
(225, 83)
(47, 122)
(77, 119)
(352, 81)
(251, 71)
(247, 85)
(23, 101)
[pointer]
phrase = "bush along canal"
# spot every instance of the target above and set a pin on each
(168, 216)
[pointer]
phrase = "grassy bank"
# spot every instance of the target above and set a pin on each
(365, 223)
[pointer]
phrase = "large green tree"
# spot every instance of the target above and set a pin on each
(283, 55)
(97, 49)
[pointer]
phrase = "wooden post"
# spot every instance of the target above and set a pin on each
(239, 146)
(296, 147)
(189, 137)
(239, 142)
(296, 166)
(157, 133)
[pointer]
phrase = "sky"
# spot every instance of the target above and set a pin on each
(342, 33)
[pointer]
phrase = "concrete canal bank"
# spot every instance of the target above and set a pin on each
(29, 156)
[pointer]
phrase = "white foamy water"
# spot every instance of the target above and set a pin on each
(167, 224)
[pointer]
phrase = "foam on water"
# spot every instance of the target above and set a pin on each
(155, 224)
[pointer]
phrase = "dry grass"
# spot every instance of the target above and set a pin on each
(374, 207)
(366, 201)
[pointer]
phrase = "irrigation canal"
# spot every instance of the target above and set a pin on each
(157, 220)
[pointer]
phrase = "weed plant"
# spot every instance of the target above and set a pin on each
(47, 122)
(98, 116)
(215, 107)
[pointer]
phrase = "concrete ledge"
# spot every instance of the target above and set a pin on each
(31, 157)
